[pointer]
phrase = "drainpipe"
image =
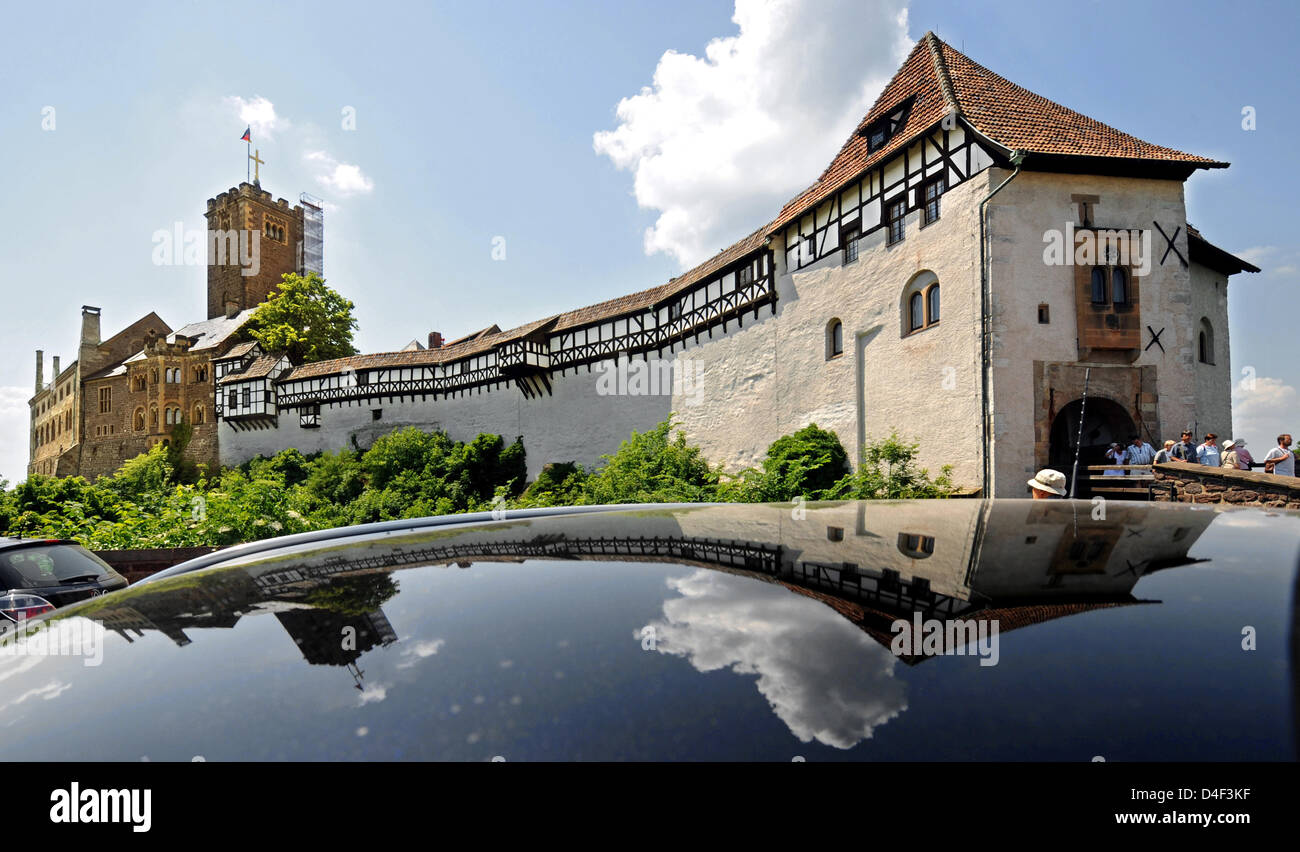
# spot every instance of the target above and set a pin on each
(986, 331)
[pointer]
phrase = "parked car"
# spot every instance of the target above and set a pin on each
(939, 630)
(53, 572)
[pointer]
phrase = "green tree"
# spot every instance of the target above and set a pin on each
(306, 319)
(653, 467)
(888, 471)
(809, 463)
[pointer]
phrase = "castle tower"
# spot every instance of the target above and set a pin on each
(252, 241)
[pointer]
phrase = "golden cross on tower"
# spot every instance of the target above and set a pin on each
(256, 162)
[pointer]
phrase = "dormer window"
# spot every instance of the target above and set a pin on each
(880, 131)
(876, 137)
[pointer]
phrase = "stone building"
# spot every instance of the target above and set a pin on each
(126, 394)
(169, 380)
(60, 408)
(972, 259)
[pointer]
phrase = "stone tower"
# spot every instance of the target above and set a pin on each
(252, 241)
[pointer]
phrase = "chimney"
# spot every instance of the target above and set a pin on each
(40, 370)
(54, 377)
(435, 340)
(232, 310)
(90, 326)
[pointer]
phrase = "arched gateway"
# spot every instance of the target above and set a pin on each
(1104, 421)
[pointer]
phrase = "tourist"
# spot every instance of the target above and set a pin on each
(1244, 459)
(1047, 484)
(1208, 453)
(1230, 459)
(1139, 451)
(1280, 459)
(1185, 450)
(1118, 456)
(1165, 455)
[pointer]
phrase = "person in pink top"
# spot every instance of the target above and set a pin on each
(1244, 461)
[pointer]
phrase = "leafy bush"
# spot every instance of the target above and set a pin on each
(651, 467)
(888, 472)
(410, 473)
(809, 463)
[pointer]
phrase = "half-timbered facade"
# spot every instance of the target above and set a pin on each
(911, 289)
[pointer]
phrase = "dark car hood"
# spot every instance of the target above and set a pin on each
(703, 633)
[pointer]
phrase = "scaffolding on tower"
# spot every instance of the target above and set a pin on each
(311, 252)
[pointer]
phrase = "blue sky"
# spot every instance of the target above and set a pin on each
(477, 121)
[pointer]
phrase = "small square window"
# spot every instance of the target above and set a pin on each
(1044, 315)
(835, 533)
(933, 189)
(897, 212)
(377, 414)
(851, 238)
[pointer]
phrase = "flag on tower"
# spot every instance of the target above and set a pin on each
(248, 134)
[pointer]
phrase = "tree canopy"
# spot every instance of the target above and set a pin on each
(306, 319)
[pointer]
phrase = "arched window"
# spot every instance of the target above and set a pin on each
(834, 339)
(198, 413)
(915, 546)
(153, 417)
(916, 313)
(1119, 285)
(139, 420)
(920, 306)
(1099, 285)
(1205, 343)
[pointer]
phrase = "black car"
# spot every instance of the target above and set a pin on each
(60, 572)
(942, 630)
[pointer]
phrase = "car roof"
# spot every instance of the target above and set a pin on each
(700, 633)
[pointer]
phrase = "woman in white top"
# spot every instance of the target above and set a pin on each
(1117, 455)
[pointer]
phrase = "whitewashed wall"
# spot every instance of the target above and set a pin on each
(1018, 216)
(1213, 381)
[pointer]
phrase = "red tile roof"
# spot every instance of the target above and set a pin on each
(939, 78)
(936, 79)
(260, 367)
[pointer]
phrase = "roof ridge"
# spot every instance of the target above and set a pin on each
(941, 71)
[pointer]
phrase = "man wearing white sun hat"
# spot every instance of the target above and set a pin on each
(1047, 484)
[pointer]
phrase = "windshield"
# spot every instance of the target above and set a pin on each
(49, 565)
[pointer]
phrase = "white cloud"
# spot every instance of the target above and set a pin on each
(258, 113)
(1262, 409)
(799, 648)
(719, 142)
(14, 422)
(421, 650)
(1272, 260)
(343, 179)
(372, 693)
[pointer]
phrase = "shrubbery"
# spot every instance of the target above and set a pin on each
(154, 502)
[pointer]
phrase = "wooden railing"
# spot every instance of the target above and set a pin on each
(1133, 480)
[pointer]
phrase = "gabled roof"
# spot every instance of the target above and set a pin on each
(937, 79)
(261, 367)
(239, 350)
(212, 332)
